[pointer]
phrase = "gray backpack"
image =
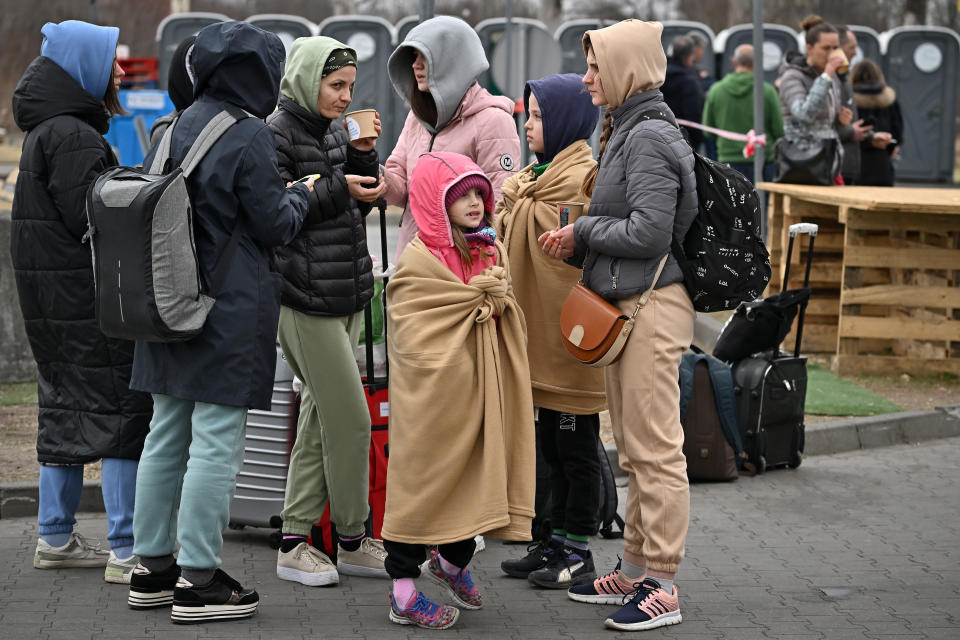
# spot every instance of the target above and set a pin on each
(140, 228)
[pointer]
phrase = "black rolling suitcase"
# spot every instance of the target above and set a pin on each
(771, 389)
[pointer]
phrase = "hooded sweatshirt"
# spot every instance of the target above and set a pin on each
(470, 121)
(83, 50)
(729, 106)
(432, 178)
(567, 112)
(304, 70)
(646, 192)
(179, 87)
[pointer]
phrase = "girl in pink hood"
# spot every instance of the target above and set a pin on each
(461, 415)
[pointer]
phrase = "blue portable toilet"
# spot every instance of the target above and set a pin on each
(373, 39)
(287, 27)
(569, 36)
(674, 28)
(922, 65)
(778, 40)
(172, 30)
(129, 135)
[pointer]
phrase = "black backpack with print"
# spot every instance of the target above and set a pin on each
(722, 257)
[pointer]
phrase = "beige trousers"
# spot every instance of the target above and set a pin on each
(643, 396)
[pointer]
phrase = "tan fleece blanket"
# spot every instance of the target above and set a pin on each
(462, 459)
(541, 283)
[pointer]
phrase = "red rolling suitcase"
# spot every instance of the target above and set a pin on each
(324, 535)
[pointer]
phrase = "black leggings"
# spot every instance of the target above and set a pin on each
(404, 560)
(569, 446)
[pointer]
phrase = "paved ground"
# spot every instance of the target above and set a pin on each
(858, 545)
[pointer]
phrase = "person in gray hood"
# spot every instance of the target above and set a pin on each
(435, 70)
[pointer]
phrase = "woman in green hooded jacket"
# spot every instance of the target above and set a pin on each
(327, 280)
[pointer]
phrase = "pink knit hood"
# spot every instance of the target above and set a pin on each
(435, 173)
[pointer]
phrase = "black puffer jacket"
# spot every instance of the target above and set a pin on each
(86, 409)
(327, 269)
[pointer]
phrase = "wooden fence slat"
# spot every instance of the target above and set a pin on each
(893, 365)
(887, 220)
(901, 257)
(903, 296)
(899, 328)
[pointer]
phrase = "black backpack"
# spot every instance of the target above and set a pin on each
(722, 257)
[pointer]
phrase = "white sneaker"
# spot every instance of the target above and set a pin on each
(481, 545)
(367, 561)
(307, 565)
(118, 571)
(77, 552)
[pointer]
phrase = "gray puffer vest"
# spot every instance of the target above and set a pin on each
(645, 195)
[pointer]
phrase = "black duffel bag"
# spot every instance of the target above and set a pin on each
(759, 326)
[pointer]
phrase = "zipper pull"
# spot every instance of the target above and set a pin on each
(613, 279)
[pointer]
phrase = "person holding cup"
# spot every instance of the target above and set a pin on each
(327, 279)
(810, 91)
(560, 118)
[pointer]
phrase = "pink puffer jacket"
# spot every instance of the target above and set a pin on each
(483, 129)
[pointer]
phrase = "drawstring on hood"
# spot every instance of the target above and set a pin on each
(567, 111)
(454, 56)
(307, 65)
(630, 57)
(83, 50)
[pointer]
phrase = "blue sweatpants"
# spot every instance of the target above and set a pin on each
(199, 447)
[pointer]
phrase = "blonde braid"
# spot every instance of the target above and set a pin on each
(591, 178)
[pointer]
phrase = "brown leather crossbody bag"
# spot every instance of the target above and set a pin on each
(595, 331)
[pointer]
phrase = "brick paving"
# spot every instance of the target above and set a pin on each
(851, 546)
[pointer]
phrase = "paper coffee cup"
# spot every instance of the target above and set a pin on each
(845, 64)
(569, 211)
(360, 124)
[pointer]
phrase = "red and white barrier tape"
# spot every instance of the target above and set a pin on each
(750, 137)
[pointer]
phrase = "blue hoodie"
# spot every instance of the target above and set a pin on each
(568, 112)
(83, 50)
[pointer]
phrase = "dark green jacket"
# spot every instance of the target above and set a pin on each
(730, 106)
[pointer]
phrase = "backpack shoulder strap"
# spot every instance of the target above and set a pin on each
(721, 379)
(688, 364)
(209, 135)
(163, 151)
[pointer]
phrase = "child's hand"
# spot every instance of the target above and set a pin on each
(558, 244)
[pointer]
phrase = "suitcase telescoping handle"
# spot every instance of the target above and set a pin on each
(794, 231)
(381, 205)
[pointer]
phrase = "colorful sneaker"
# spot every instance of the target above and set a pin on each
(223, 598)
(307, 565)
(76, 552)
(650, 607)
(538, 556)
(424, 613)
(149, 590)
(460, 586)
(118, 571)
(367, 561)
(567, 568)
(609, 589)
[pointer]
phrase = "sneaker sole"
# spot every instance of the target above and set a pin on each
(398, 619)
(662, 620)
(308, 578)
(547, 584)
(91, 563)
(453, 594)
(117, 578)
(361, 571)
(597, 599)
(516, 573)
(142, 600)
(211, 613)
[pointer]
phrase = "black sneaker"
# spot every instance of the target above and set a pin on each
(149, 590)
(223, 598)
(539, 555)
(567, 568)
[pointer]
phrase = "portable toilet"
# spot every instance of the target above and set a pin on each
(569, 36)
(868, 45)
(172, 30)
(287, 27)
(777, 41)
(674, 28)
(129, 134)
(491, 32)
(404, 26)
(922, 65)
(373, 39)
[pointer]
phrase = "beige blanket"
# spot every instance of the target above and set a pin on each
(541, 283)
(462, 459)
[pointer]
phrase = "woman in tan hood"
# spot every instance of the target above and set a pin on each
(643, 197)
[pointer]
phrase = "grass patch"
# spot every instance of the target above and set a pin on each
(18, 393)
(829, 395)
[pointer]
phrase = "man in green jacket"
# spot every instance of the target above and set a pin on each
(729, 106)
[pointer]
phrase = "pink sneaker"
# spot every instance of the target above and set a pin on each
(608, 589)
(650, 607)
(424, 613)
(461, 586)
